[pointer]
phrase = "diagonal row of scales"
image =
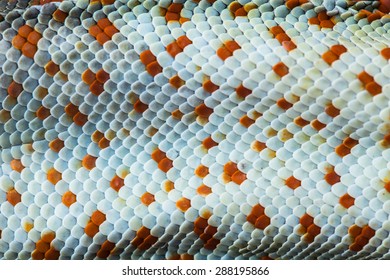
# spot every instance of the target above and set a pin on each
(194, 130)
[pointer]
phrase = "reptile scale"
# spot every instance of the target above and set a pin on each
(210, 129)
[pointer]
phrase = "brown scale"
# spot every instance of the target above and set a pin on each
(346, 200)
(105, 250)
(291, 4)
(98, 137)
(209, 143)
(95, 80)
(56, 145)
(227, 49)
(42, 113)
(301, 121)
(104, 2)
(60, 15)
(369, 83)
(150, 62)
(206, 233)
(147, 198)
(51, 68)
(173, 13)
(203, 111)
(331, 177)
(44, 249)
(360, 236)
(209, 86)
(73, 111)
(243, 91)
(292, 182)
(317, 125)
(308, 228)
(232, 173)
(182, 257)
(283, 38)
(14, 89)
(13, 197)
(92, 228)
(258, 218)
(144, 240)
(176, 82)
(333, 54)
(4, 116)
(238, 10)
(332, 111)
(371, 16)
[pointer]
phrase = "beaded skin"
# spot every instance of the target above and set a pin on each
(211, 129)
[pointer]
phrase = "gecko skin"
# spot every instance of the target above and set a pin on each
(210, 129)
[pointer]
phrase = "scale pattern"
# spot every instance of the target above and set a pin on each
(194, 129)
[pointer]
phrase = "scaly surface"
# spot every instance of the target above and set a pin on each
(194, 129)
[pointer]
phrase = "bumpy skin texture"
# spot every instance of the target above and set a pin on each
(194, 130)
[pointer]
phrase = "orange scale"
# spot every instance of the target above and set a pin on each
(262, 222)
(203, 190)
(209, 86)
(68, 198)
(96, 88)
(137, 241)
(95, 30)
(107, 2)
(257, 210)
(158, 155)
(60, 16)
(102, 38)
(29, 50)
(212, 244)
(16, 164)
(42, 246)
(326, 24)
(183, 41)
(56, 145)
(168, 186)
(258, 146)
(186, 257)
(15, 89)
(175, 7)
(53, 176)
(223, 53)
(88, 77)
(241, 12)
(52, 254)
(140, 107)
(91, 229)
(387, 187)
(200, 223)
(80, 119)
(143, 232)
(374, 16)
(233, 7)
(103, 23)
(291, 4)
(385, 53)
(205, 236)
(34, 37)
(165, 165)
(342, 150)
(177, 114)
(176, 82)
(275, 30)
(98, 217)
(107, 246)
(208, 143)
(110, 31)
(246, 121)
(355, 247)
(314, 230)
(171, 16)
(374, 88)
(368, 232)
(251, 218)
(329, 57)
(289, 45)
(183, 204)
(282, 37)
(147, 198)
(51, 68)
(231, 46)
(25, 30)
(365, 78)
(314, 21)
(306, 220)
(203, 111)
(293, 183)
(102, 76)
(48, 236)
(89, 162)
(230, 168)
(103, 143)
(211, 230)
(36, 255)
(238, 177)
(117, 183)
(323, 16)
(153, 68)
(280, 69)
(338, 49)
(71, 110)
(173, 49)
(13, 197)
(243, 91)
(361, 240)
(332, 111)
(332, 178)
(18, 42)
(202, 171)
(284, 104)
(350, 142)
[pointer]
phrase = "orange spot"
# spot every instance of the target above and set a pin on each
(16, 164)
(243, 91)
(42, 246)
(203, 111)
(342, 150)
(201, 171)
(262, 222)
(25, 30)
(365, 78)
(68, 198)
(338, 49)
(140, 107)
(350, 142)
(95, 30)
(176, 82)
(14, 197)
(280, 69)
(316, 124)
(29, 50)
(203, 190)
(52, 254)
(147, 57)
(183, 41)
(80, 119)
(59, 15)
(292, 182)
(102, 76)
(168, 186)
(387, 187)
(34, 37)
(71, 110)
(291, 4)
(147, 198)
(103, 23)
(231, 46)
(347, 201)
(329, 57)
(209, 86)
(91, 229)
(183, 204)
(374, 88)
(89, 162)
(117, 183)
(98, 217)
(246, 121)
(110, 31)
(238, 177)
(208, 143)
(282, 37)
(386, 53)
(301, 121)
(289, 45)
(18, 42)
(158, 155)
(368, 232)
(104, 143)
(56, 145)
(174, 49)
(258, 146)
(51, 68)
(53, 176)
(165, 165)
(332, 178)
(177, 114)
